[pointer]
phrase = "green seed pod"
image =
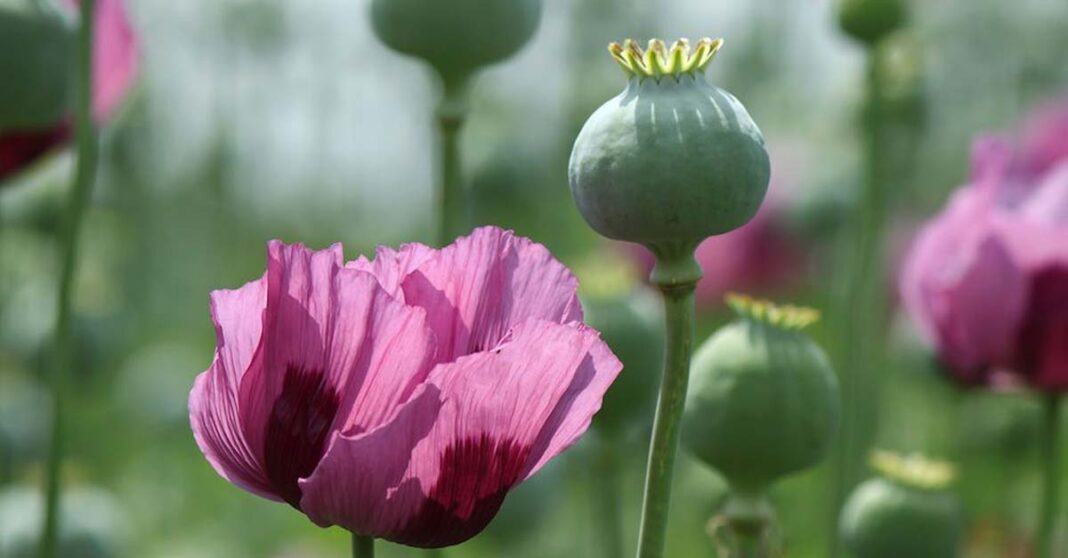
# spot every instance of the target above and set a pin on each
(869, 21)
(459, 36)
(672, 160)
(763, 400)
(630, 327)
(36, 47)
(905, 512)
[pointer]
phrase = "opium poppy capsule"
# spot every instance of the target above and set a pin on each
(869, 21)
(456, 37)
(906, 511)
(763, 401)
(672, 159)
(36, 42)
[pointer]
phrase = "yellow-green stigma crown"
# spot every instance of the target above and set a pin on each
(657, 60)
(913, 470)
(784, 316)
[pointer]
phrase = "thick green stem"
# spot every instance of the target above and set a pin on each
(676, 274)
(861, 312)
(1051, 491)
(749, 518)
(609, 524)
(363, 547)
(62, 363)
(451, 196)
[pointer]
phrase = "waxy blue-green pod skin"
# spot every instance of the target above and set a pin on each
(870, 21)
(456, 37)
(635, 337)
(885, 519)
(763, 403)
(669, 160)
(36, 48)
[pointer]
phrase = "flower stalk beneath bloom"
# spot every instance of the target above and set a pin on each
(676, 275)
(1051, 456)
(452, 205)
(62, 360)
(362, 547)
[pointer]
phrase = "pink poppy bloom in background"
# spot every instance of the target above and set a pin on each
(115, 63)
(986, 280)
(400, 398)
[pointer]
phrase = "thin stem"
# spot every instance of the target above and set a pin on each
(363, 547)
(1051, 453)
(609, 524)
(451, 197)
(676, 275)
(861, 310)
(62, 363)
(749, 517)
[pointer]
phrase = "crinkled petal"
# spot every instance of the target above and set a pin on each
(213, 402)
(480, 287)
(337, 353)
(437, 473)
(392, 266)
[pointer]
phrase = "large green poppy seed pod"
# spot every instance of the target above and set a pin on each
(763, 399)
(905, 512)
(869, 21)
(456, 37)
(672, 160)
(36, 45)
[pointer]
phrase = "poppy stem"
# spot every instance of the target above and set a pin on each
(451, 197)
(607, 513)
(676, 275)
(1051, 453)
(860, 308)
(363, 547)
(81, 187)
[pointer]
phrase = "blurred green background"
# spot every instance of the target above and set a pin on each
(260, 119)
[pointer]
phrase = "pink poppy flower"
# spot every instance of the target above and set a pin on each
(987, 280)
(115, 62)
(400, 398)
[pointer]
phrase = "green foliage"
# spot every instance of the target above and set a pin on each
(36, 41)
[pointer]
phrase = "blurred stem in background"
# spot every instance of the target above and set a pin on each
(62, 362)
(1051, 489)
(675, 275)
(861, 312)
(452, 207)
(605, 484)
(362, 547)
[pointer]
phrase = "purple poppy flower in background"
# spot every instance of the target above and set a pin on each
(115, 62)
(986, 281)
(400, 398)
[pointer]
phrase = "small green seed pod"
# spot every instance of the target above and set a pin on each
(672, 160)
(763, 399)
(905, 512)
(456, 37)
(870, 21)
(36, 42)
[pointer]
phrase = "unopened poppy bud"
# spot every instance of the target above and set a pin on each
(672, 160)
(36, 42)
(870, 21)
(906, 511)
(763, 399)
(459, 36)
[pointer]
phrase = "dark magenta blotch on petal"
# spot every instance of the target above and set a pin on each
(21, 149)
(1042, 353)
(476, 474)
(298, 429)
